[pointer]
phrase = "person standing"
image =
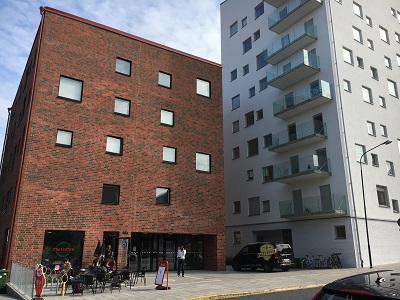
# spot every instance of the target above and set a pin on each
(181, 261)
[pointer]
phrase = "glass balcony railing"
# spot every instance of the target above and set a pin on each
(301, 132)
(308, 97)
(301, 166)
(288, 14)
(313, 207)
(295, 40)
(298, 67)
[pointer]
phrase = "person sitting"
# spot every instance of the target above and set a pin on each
(112, 265)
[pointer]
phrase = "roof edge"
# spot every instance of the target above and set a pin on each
(123, 33)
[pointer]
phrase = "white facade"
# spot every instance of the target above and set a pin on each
(320, 108)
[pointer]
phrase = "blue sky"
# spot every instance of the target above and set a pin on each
(191, 26)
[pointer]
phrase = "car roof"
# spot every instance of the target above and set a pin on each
(384, 283)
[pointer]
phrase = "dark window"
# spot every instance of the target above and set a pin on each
(246, 69)
(110, 194)
(236, 207)
(256, 35)
(340, 232)
(247, 45)
(235, 153)
(268, 140)
(233, 75)
(233, 28)
(252, 146)
(260, 114)
(236, 102)
(259, 10)
(162, 196)
(263, 83)
(262, 59)
(252, 91)
(249, 118)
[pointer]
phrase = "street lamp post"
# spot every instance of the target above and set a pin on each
(387, 142)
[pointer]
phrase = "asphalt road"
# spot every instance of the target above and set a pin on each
(302, 294)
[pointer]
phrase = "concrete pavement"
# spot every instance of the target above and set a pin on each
(201, 285)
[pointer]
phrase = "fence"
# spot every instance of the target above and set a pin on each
(22, 278)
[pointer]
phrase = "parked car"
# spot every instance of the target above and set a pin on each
(375, 285)
(264, 255)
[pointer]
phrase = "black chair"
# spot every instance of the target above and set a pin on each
(89, 282)
(126, 277)
(101, 280)
(115, 281)
(140, 273)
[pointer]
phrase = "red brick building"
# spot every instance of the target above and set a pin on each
(115, 138)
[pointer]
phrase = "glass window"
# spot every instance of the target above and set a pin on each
(348, 55)
(268, 140)
(233, 75)
(357, 34)
(260, 114)
(249, 118)
(268, 173)
(357, 9)
(70, 88)
(235, 153)
(64, 138)
(398, 59)
(392, 88)
(252, 91)
(236, 207)
(123, 66)
(360, 150)
(254, 206)
(346, 85)
(203, 88)
(382, 101)
(263, 83)
(393, 12)
(256, 35)
(122, 107)
(360, 62)
(169, 154)
(383, 130)
(235, 126)
(374, 73)
(368, 20)
(236, 102)
(164, 79)
(266, 206)
(245, 69)
(371, 128)
(375, 160)
(233, 28)
(167, 117)
(237, 240)
(384, 34)
(340, 232)
(382, 194)
(395, 205)
(110, 194)
(252, 147)
(247, 45)
(370, 44)
(259, 10)
(388, 62)
(367, 94)
(203, 162)
(114, 145)
(397, 37)
(162, 196)
(262, 59)
(250, 174)
(244, 22)
(390, 168)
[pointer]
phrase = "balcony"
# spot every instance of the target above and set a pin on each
(293, 11)
(275, 3)
(297, 68)
(302, 169)
(314, 207)
(298, 135)
(317, 93)
(297, 39)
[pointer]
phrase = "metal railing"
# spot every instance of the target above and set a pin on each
(22, 278)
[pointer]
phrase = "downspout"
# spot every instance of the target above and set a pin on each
(5, 139)
(17, 188)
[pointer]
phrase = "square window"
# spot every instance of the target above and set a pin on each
(382, 101)
(169, 154)
(254, 206)
(340, 232)
(374, 73)
(233, 75)
(384, 34)
(260, 114)
(382, 194)
(162, 196)
(252, 91)
(357, 9)
(346, 85)
(375, 160)
(237, 238)
(395, 205)
(367, 94)
(388, 62)
(245, 69)
(235, 153)
(262, 59)
(122, 107)
(244, 22)
(392, 86)
(114, 145)
(256, 35)
(259, 10)
(203, 88)
(252, 147)
(233, 28)
(263, 83)
(70, 89)
(368, 20)
(266, 206)
(167, 117)
(247, 45)
(371, 128)
(357, 35)
(235, 102)
(383, 130)
(360, 151)
(164, 79)
(249, 118)
(203, 162)
(236, 207)
(390, 168)
(250, 174)
(370, 44)
(64, 138)
(110, 194)
(123, 66)
(348, 55)
(235, 126)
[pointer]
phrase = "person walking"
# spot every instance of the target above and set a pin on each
(181, 261)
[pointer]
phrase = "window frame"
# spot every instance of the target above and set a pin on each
(247, 45)
(246, 69)
(199, 163)
(161, 118)
(233, 75)
(249, 119)
(254, 206)
(235, 153)
(165, 158)
(388, 62)
(70, 138)
(117, 198)
(360, 149)
(65, 96)
(125, 61)
(367, 91)
(261, 59)
(340, 232)
(263, 83)
(358, 12)
(253, 147)
(167, 76)
(121, 142)
(160, 189)
(266, 206)
(233, 28)
(392, 86)
(357, 35)
(348, 54)
(235, 126)
(121, 113)
(235, 102)
(199, 89)
(390, 168)
(259, 10)
(237, 209)
(384, 34)
(371, 128)
(383, 190)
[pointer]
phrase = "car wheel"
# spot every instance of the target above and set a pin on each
(285, 269)
(267, 267)
(236, 267)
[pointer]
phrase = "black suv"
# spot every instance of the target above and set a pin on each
(264, 255)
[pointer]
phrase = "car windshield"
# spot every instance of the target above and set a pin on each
(280, 247)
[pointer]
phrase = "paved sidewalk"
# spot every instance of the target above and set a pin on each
(202, 284)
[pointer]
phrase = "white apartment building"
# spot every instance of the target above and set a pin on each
(309, 86)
